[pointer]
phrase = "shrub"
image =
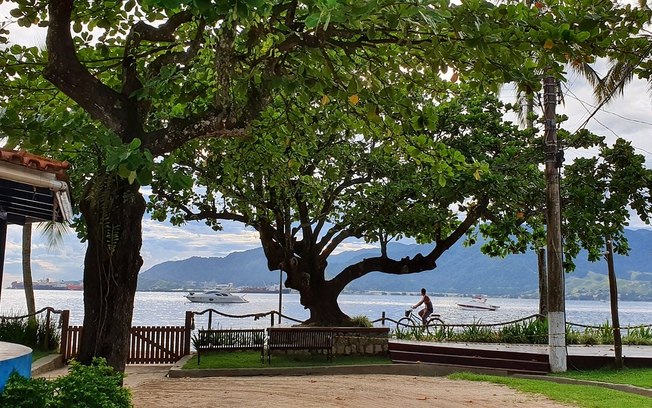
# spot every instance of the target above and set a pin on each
(638, 335)
(94, 386)
(476, 332)
(30, 332)
(527, 332)
(21, 392)
(361, 321)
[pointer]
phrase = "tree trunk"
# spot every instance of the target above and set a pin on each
(613, 297)
(316, 294)
(28, 285)
(321, 300)
(543, 282)
(113, 211)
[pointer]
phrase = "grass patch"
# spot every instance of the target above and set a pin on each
(36, 354)
(639, 377)
(584, 396)
(251, 359)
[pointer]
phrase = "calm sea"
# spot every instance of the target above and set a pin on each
(168, 308)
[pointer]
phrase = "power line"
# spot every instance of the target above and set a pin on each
(584, 104)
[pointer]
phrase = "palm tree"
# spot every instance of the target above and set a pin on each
(27, 268)
(54, 233)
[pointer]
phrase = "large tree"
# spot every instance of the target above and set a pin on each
(432, 176)
(135, 80)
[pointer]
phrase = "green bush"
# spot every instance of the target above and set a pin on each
(476, 332)
(526, 332)
(638, 335)
(533, 331)
(94, 386)
(21, 392)
(361, 321)
(30, 332)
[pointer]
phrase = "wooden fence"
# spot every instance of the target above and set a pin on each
(147, 344)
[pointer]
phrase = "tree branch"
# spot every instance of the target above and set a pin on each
(406, 265)
(67, 73)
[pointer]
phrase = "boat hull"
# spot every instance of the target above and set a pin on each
(215, 298)
(477, 307)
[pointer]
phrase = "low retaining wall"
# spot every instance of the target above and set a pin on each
(361, 341)
(347, 341)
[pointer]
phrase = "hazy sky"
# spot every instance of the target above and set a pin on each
(629, 117)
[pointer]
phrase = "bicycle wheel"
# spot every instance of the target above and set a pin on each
(405, 323)
(433, 324)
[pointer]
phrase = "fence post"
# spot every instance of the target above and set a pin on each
(65, 326)
(272, 315)
(210, 319)
(382, 319)
(188, 330)
(47, 330)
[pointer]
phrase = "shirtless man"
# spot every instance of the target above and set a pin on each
(427, 309)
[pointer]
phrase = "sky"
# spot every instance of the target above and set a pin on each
(628, 117)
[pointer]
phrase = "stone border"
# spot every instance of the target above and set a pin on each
(47, 363)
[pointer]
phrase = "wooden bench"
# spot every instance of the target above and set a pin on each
(300, 338)
(230, 340)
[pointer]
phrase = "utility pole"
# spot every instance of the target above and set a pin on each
(557, 354)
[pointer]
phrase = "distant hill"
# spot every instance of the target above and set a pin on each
(460, 270)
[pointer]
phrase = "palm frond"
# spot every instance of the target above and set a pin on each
(619, 75)
(54, 233)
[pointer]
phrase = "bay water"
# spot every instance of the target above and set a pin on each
(168, 309)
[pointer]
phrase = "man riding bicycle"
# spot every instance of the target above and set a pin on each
(428, 309)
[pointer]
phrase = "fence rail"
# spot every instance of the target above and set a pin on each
(167, 344)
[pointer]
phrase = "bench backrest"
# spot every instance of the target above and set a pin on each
(230, 339)
(300, 337)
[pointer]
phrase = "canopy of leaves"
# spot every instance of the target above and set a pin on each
(598, 195)
(339, 175)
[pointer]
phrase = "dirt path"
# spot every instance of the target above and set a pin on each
(152, 389)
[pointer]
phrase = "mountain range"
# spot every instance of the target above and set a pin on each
(461, 270)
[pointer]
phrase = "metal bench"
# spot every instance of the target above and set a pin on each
(300, 338)
(230, 340)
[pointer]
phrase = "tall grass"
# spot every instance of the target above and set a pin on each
(532, 331)
(31, 332)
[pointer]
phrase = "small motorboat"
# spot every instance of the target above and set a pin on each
(215, 296)
(478, 303)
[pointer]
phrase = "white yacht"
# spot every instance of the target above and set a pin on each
(478, 303)
(218, 295)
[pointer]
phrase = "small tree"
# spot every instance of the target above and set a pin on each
(600, 192)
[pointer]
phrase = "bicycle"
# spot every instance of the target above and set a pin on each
(413, 321)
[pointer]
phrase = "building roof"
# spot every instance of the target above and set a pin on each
(33, 188)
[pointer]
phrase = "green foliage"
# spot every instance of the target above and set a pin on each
(531, 331)
(31, 332)
(638, 335)
(94, 386)
(248, 359)
(534, 331)
(361, 321)
(583, 396)
(21, 392)
(598, 194)
(639, 377)
(477, 332)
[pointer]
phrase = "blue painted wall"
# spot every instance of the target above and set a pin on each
(21, 364)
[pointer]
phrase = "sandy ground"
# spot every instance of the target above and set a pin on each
(151, 388)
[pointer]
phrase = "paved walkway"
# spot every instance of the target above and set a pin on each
(137, 375)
